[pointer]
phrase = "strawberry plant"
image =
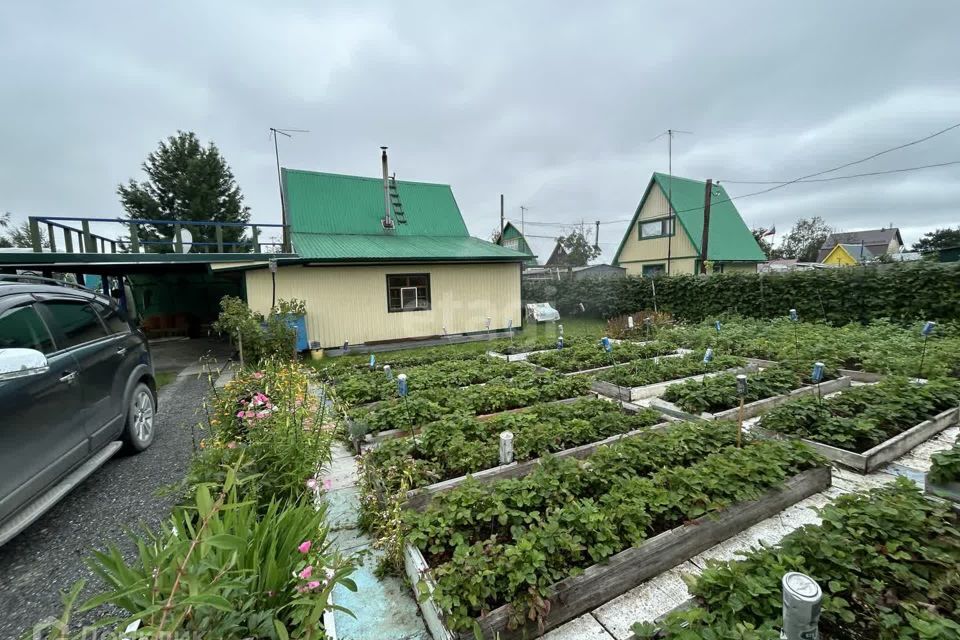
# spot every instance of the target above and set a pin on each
(591, 355)
(509, 542)
(720, 392)
(946, 466)
(862, 417)
(886, 561)
(459, 444)
(644, 372)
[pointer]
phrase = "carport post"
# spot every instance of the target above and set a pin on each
(53, 240)
(68, 240)
(218, 230)
(35, 235)
(255, 233)
(89, 245)
(134, 237)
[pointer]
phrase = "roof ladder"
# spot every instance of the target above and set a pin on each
(395, 203)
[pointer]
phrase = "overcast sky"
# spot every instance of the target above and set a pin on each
(553, 104)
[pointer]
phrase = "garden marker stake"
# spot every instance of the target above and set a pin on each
(925, 332)
(801, 607)
(817, 376)
(742, 392)
(717, 325)
(559, 343)
(707, 358)
(796, 330)
(630, 322)
(388, 371)
(373, 362)
(648, 323)
(402, 391)
(506, 448)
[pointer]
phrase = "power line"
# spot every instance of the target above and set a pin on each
(855, 175)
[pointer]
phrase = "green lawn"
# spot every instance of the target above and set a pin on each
(572, 327)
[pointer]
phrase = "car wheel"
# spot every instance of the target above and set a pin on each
(141, 419)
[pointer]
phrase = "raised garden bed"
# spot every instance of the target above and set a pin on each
(523, 389)
(586, 356)
(865, 427)
(649, 379)
(878, 556)
(716, 398)
(632, 510)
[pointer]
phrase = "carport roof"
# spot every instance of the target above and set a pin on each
(127, 262)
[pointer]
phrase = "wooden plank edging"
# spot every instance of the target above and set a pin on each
(657, 388)
(949, 491)
(623, 571)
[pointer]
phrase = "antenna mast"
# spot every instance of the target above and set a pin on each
(283, 209)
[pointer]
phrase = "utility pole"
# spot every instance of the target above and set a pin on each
(283, 209)
(501, 218)
(523, 209)
(596, 236)
(706, 225)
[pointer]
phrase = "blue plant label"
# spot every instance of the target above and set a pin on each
(607, 345)
(717, 325)
(708, 356)
(373, 361)
(793, 315)
(741, 385)
(402, 385)
(928, 328)
(817, 374)
(559, 343)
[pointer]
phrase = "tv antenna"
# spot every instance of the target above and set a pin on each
(274, 132)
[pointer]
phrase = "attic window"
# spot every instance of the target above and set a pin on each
(512, 243)
(654, 228)
(408, 292)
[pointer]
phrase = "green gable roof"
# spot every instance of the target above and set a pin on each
(730, 239)
(509, 233)
(337, 217)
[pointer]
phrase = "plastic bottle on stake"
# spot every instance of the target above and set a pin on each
(801, 607)
(402, 385)
(388, 371)
(708, 355)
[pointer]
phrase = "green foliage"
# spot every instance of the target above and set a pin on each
(946, 466)
(804, 240)
(509, 542)
(361, 388)
(886, 560)
(219, 568)
(578, 249)
(268, 418)
(500, 394)
(644, 372)
(938, 239)
(720, 392)
(261, 338)
(902, 292)
(185, 181)
(862, 417)
(586, 355)
(460, 444)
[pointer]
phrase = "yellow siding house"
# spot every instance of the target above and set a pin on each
(847, 255)
(667, 228)
(381, 260)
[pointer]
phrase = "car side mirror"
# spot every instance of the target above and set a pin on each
(21, 363)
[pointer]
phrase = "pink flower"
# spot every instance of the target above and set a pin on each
(312, 484)
(313, 585)
(307, 572)
(240, 414)
(249, 414)
(327, 484)
(232, 445)
(301, 589)
(259, 399)
(298, 402)
(257, 375)
(262, 414)
(304, 546)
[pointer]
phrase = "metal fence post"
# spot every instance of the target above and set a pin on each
(134, 237)
(35, 239)
(89, 245)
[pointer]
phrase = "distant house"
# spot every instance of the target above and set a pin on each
(380, 260)
(654, 243)
(558, 257)
(512, 238)
(877, 241)
(848, 255)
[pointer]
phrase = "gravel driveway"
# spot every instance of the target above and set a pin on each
(49, 556)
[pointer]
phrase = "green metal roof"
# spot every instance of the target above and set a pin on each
(345, 247)
(730, 239)
(509, 233)
(338, 218)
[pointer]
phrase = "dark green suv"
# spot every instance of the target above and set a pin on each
(76, 385)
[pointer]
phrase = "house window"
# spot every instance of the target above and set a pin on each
(718, 267)
(408, 292)
(512, 243)
(650, 270)
(655, 228)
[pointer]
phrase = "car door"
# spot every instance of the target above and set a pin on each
(41, 437)
(130, 349)
(77, 325)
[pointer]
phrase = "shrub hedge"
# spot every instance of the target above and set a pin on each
(903, 292)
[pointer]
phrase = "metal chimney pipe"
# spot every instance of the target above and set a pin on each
(387, 220)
